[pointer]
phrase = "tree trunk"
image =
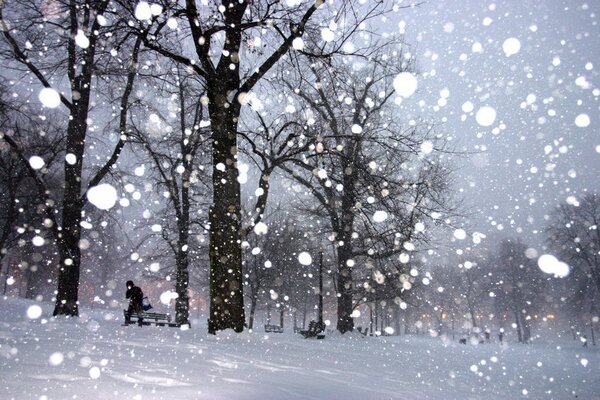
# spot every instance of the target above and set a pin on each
(345, 322)
(226, 285)
(70, 255)
(526, 330)
(269, 314)
(396, 318)
(472, 312)
(253, 302)
(281, 315)
(304, 312)
(296, 321)
(6, 275)
(182, 303)
(370, 319)
(518, 322)
(376, 315)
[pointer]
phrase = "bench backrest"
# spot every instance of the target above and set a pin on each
(154, 316)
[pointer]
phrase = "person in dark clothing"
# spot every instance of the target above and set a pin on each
(135, 296)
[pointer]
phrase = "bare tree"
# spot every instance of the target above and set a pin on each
(71, 42)
(573, 234)
(219, 35)
(21, 208)
(520, 285)
(178, 157)
(370, 176)
(272, 273)
(475, 282)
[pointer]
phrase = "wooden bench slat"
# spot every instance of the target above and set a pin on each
(273, 329)
(150, 316)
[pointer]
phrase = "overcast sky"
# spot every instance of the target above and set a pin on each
(534, 154)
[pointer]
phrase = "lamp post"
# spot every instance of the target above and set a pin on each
(321, 324)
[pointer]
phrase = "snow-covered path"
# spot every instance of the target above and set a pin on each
(96, 358)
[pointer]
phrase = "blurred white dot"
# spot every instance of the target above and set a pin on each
(405, 84)
(34, 311)
(485, 116)
(582, 120)
(304, 258)
(49, 97)
(36, 162)
(154, 267)
(511, 46)
(460, 234)
(261, 228)
(298, 44)
(143, 11)
(467, 107)
(380, 216)
(94, 372)
(56, 358)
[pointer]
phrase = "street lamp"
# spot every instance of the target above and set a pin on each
(321, 324)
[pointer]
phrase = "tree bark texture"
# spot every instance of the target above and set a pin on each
(226, 279)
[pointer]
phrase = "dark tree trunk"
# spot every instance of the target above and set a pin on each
(281, 316)
(182, 303)
(6, 275)
(80, 71)
(9, 222)
(70, 255)
(396, 319)
(526, 330)
(519, 327)
(226, 284)
(407, 314)
(304, 312)
(370, 318)
(253, 302)
(296, 323)
(345, 322)
(473, 318)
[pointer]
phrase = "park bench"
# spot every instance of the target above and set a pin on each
(315, 329)
(149, 318)
(273, 329)
(362, 331)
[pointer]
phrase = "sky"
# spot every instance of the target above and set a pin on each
(532, 64)
(535, 63)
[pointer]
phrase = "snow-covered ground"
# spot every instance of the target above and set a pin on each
(94, 357)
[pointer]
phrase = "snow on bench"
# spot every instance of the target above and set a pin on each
(315, 329)
(273, 328)
(150, 318)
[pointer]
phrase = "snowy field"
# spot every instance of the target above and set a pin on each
(94, 357)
